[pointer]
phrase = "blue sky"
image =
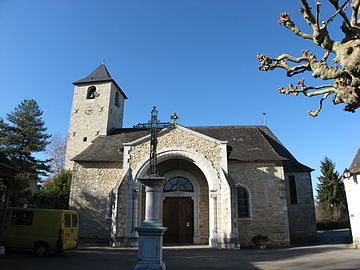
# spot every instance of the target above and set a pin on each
(193, 57)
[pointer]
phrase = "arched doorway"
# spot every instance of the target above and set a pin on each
(178, 211)
(185, 202)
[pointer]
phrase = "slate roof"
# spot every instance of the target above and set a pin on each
(100, 74)
(254, 143)
(110, 148)
(245, 143)
(355, 165)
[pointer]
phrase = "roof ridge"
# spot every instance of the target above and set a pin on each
(230, 126)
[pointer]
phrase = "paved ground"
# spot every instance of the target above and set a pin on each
(330, 253)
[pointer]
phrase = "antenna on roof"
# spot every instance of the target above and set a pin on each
(265, 120)
(103, 61)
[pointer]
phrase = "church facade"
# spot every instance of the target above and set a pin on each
(225, 184)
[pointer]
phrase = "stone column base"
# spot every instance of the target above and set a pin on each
(150, 248)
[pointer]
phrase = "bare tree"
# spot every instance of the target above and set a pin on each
(344, 73)
(56, 151)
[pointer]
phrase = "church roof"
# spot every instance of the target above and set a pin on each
(245, 143)
(110, 148)
(355, 165)
(100, 74)
(254, 143)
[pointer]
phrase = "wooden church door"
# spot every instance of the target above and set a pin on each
(178, 217)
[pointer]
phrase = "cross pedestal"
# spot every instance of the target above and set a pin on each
(151, 230)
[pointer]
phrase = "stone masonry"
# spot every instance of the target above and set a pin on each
(303, 210)
(92, 117)
(268, 204)
(89, 195)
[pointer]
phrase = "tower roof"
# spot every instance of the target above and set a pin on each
(355, 165)
(100, 74)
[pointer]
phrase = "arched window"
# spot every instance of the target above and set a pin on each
(243, 202)
(178, 184)
(91, 92)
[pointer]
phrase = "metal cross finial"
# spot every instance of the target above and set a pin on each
(174, 117)
(154, 125)
(265, 121)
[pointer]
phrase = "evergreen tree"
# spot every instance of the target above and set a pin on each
(331, 196)
(22, 136)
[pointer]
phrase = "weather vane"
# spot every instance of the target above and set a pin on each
(265, 121)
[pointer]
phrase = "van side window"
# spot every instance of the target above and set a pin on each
(67, 220)
(74, 220)
(22, 218)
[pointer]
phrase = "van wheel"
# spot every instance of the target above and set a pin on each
(41, 249)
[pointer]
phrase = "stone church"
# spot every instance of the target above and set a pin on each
(225, 184)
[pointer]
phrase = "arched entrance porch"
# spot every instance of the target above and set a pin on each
(202, 175)
(185, 208)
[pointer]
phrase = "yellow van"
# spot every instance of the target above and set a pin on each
(41, 230)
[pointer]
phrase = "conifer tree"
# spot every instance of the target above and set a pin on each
(331, 193)
(22, 136)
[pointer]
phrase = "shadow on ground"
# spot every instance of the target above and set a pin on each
(98, 256)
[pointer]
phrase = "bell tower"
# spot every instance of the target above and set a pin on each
(97, 108)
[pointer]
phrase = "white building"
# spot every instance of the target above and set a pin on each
(352, 188)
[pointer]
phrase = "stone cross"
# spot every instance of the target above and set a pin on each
(151, 230)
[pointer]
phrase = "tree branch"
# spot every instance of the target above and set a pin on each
(289, 24)
(355, 9)
(318, 4)
(320, 35)
(346, 85)
(268, 63)
(339, 10)
(302, 88)
(315, 113)
(320, 69)
(308, 16)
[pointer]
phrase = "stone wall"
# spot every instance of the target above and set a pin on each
(89, 195)
(92, 117)
(268, 203)
(301, 214)
(120, 215)
(176, 138)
